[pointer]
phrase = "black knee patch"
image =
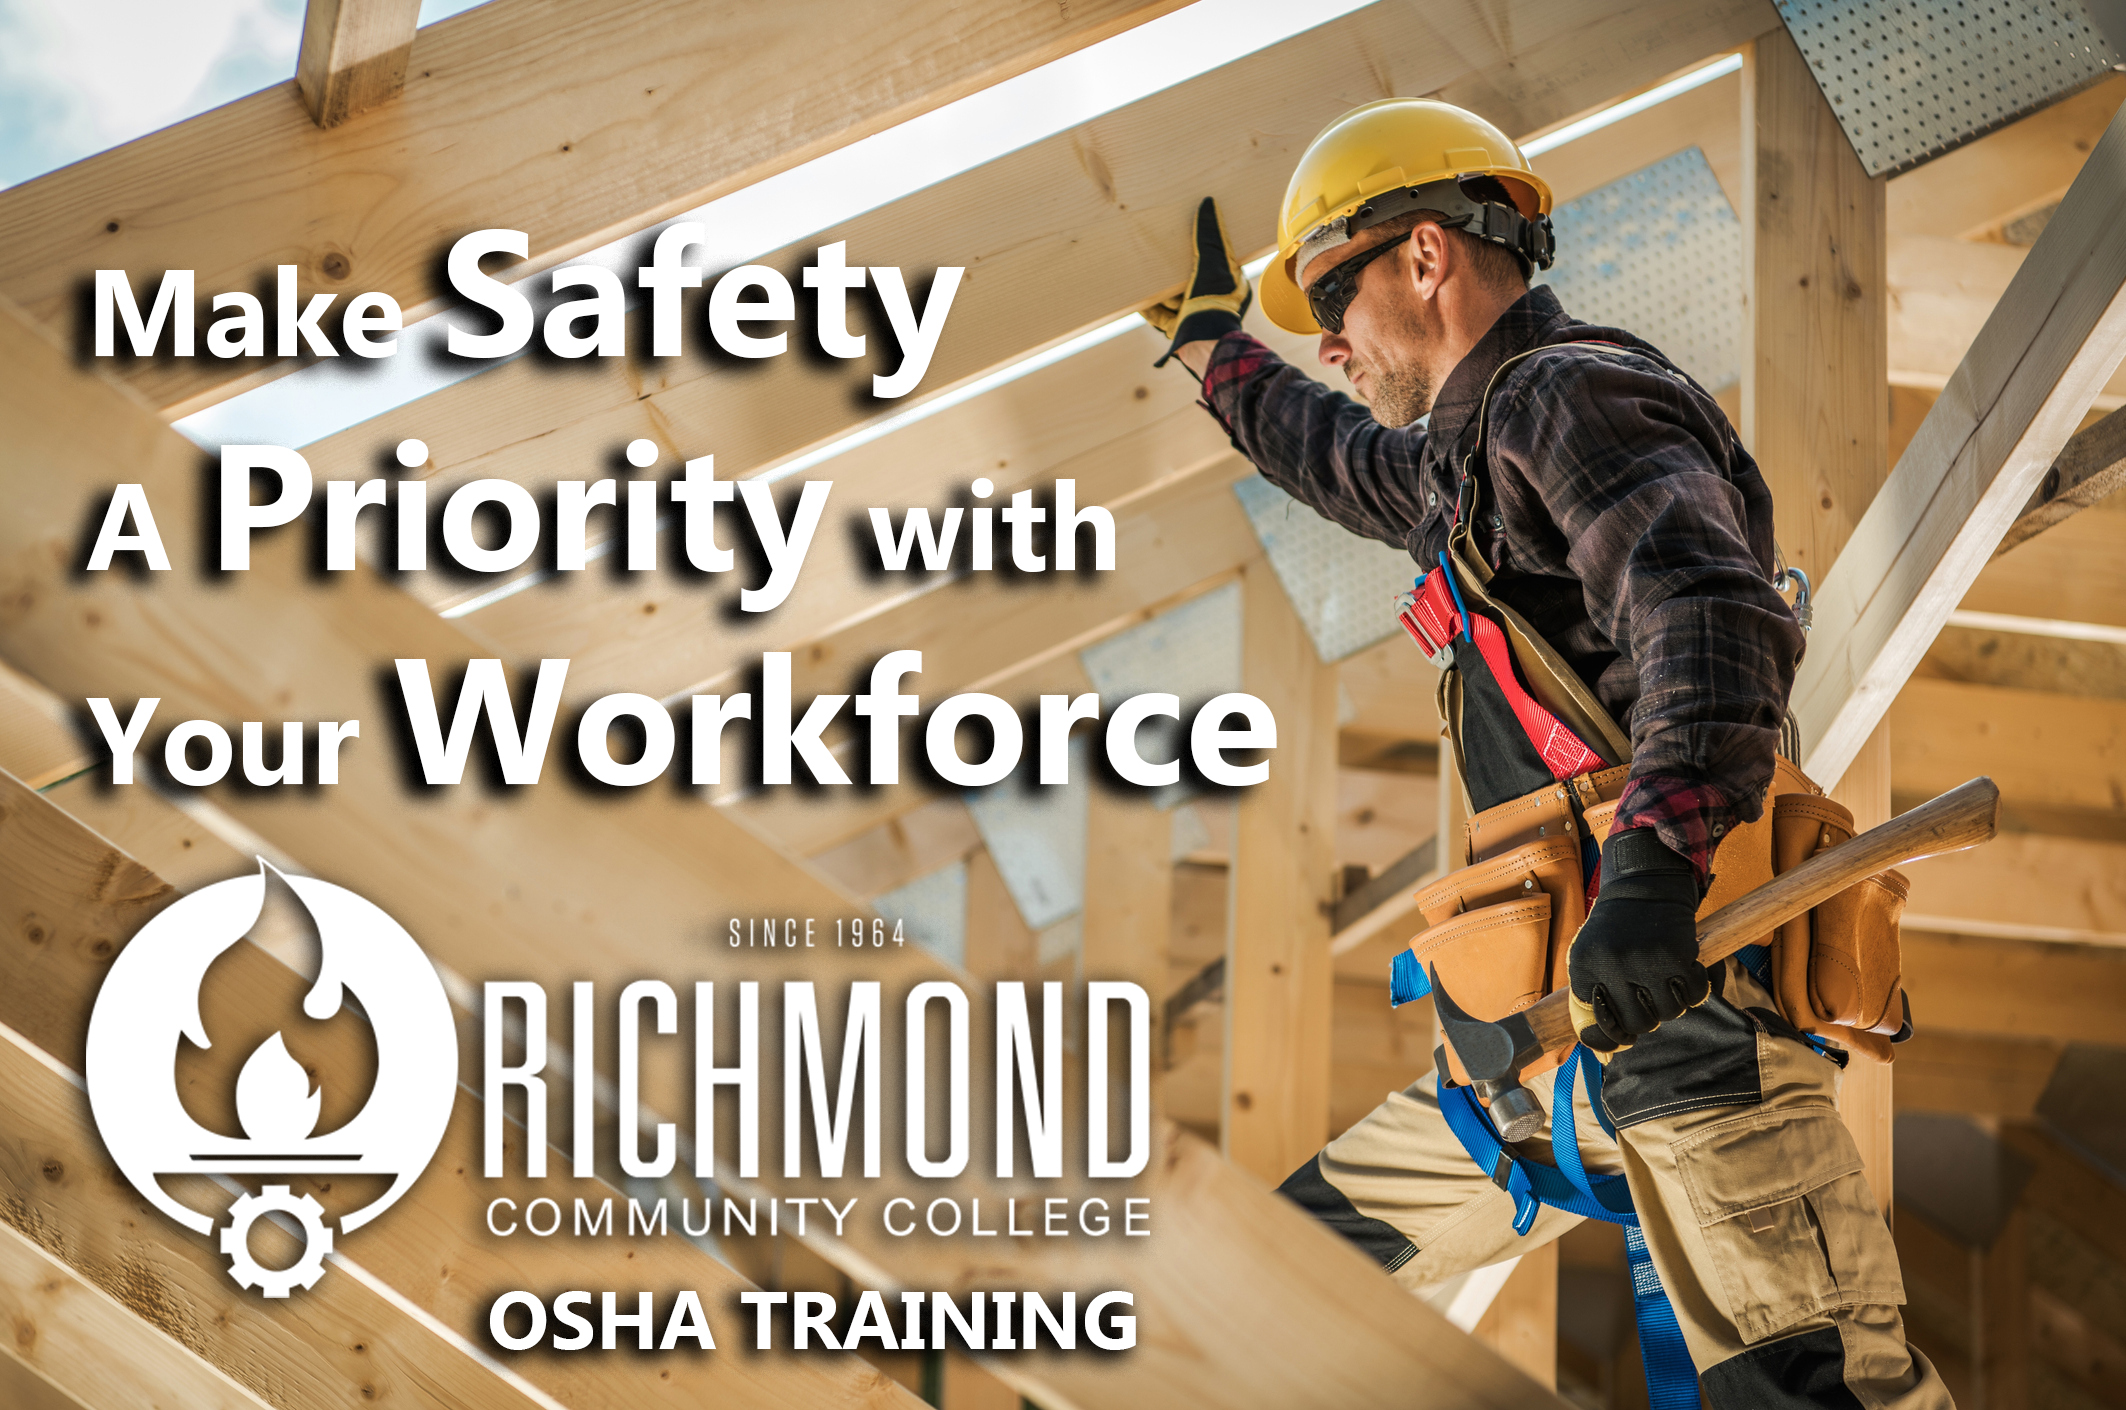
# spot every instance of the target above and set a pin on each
(1383, 1242)
(1706, 1058)
(1796, 1373)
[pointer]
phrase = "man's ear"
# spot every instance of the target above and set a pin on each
(1428, 256)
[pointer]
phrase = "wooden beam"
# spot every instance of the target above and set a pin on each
(60, 1186)
(1815, 391)
(2045, 750)
(1942, 291)
(2074, 572)
(1105, 201)
(24, 1389)
(2024, 886)
(88, 898)
(37, 743)
(1129, 889)
(2090, 468)
(1815, 399)
(1000, 944)
(353, 55)
(2016, 988)
(2019, 393)
(1522, 1322)
(85, 1342)
(1394, 692)
(902, 848)
(1278, 975)
(665, 106)
(1129, 909)
(1374, 1050)
(1866, 1092)
(1976, 1074)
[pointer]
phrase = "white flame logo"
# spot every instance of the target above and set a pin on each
(273, 1097)
(150, 1000)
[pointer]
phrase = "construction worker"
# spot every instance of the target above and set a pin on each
(1573, 487)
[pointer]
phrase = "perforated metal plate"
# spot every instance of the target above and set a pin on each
(1342, 586)
(1659, 254)
(933, 909)
(1036, 835)
(1192, 651)
(1912, 79)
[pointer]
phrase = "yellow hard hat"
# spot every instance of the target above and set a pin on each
(1371, 164)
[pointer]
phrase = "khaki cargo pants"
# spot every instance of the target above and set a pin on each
(1748, 1186)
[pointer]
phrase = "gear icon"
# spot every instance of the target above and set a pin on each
(236, 1241)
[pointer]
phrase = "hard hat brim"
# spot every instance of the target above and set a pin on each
(1283, 302)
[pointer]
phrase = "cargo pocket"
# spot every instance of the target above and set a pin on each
(1789, 1223)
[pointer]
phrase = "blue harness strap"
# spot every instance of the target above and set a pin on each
(1671, 1379)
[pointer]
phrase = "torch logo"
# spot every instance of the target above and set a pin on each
(150, 1000)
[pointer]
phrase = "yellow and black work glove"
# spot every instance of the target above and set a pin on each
(1209, 306)
(1634, 964)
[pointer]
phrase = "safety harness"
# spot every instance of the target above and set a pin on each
(1481, 652)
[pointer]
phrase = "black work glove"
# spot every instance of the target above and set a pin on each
(1634, 964)
(1209, 306)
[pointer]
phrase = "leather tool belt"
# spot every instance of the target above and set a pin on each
(1542, 765)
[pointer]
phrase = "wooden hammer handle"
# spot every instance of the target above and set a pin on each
(1965, 816)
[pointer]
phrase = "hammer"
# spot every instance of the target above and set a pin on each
(1493, 1054)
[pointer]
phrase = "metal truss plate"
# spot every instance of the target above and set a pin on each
(933, 910)
(1342, 586)
(1659, 254)
(1912, 79)
(1192, 651)
(1035, 834)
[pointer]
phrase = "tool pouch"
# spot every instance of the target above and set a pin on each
(1497, 931)
(1837, 971)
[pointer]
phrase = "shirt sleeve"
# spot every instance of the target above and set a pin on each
(1640, 474)
(1317, 445)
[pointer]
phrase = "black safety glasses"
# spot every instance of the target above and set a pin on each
(1331, 295)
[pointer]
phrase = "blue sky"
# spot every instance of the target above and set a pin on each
(77, 76)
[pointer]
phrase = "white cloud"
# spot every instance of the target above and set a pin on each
(78, 76)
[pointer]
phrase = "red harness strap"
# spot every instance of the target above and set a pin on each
(1432, 618)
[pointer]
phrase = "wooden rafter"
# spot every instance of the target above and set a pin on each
(2025, 886)
(87, 1343)
(2044, 750)
(484, 137)
(1259, 1303)
(1942, 293)
(304, 1353)
(89, 898)
(1061, 235)
(2013, 988)
(2090, 468)
(2073, 572)
(2019, 393)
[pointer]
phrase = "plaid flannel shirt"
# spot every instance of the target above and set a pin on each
(1620, 513)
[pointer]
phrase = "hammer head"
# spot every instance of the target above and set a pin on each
(1492, 1054)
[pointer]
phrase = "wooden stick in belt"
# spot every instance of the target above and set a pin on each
(1965, 816)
